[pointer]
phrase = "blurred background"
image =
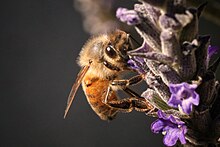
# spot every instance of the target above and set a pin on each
(39, 44)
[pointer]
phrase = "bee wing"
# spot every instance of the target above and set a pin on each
(75, 87)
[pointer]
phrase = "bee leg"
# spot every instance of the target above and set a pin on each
(144, 102)
(128, 104)
(125, 83)
(131, 92)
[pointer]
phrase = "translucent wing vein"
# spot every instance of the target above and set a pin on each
(75, 87)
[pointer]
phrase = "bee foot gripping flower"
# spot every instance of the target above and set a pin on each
(171, 127)
(184, 96)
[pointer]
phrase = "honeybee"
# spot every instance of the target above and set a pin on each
(103, 59)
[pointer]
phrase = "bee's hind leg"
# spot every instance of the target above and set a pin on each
(128, 104)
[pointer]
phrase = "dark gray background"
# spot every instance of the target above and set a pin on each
(39, 43)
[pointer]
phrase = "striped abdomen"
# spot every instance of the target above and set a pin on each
(95, 90)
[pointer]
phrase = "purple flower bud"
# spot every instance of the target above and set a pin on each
(183, 96)
(129, 16)
(211, 51)
(172, 128)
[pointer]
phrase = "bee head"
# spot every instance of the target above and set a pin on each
(118, 46)
(108, 49)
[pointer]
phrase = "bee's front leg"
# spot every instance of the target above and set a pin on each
(124, 83)
(127, 82)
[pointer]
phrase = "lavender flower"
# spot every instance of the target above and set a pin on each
(184, 96)
(173, 128)
(176, 54)
(128, 16)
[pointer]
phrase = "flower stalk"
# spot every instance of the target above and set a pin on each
(175, 61)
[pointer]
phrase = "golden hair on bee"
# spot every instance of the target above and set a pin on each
(110, 47)
(102, 59)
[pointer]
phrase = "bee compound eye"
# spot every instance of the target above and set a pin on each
(110, 52)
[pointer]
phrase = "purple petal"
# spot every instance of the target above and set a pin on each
(161, 115)
(173, 88)
(173, 134)
(175, 120)
(171, 137)
(187, 104)
(172, 126)
(168, 119)
(190, 87)
(186, 107)
(157, 126)
(174, 102)
(182, 135)
(183, 95)
(212, 50)
(195, 99)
